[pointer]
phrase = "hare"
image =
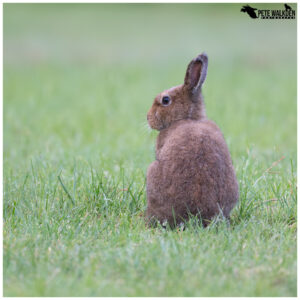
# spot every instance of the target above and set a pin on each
(193, 172)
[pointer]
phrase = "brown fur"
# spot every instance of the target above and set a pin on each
(193, 172)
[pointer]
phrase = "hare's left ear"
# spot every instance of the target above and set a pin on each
(196, 73)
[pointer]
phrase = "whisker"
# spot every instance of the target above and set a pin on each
(145, 128)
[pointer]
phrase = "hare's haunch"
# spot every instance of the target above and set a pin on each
(192, 173)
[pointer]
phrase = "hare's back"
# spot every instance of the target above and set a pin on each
(194, 169)
(195, 141)
(196, 154)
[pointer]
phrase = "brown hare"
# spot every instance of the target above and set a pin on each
(192, 173)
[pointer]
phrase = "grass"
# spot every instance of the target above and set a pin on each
(76, 150)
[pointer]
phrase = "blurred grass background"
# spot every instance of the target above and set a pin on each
(78, 81)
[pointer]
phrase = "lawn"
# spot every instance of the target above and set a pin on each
(78, 82)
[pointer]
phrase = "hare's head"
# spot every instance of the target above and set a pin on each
(183, 101)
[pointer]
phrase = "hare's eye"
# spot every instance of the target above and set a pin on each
(165, 101)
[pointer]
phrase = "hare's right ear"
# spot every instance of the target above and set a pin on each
(196, 73)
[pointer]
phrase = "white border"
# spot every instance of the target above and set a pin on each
(132, 1)
(154, 1)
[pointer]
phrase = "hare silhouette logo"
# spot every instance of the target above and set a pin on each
(287, 13)
(250, 11)
(287, 7)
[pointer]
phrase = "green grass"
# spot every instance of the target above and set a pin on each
(78, 81)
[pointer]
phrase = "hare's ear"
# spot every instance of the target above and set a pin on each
(196, 73)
